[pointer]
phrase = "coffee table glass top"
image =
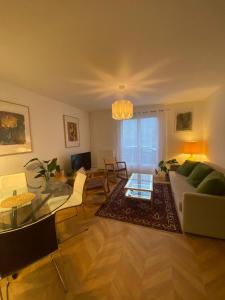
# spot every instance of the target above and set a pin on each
(139, 186)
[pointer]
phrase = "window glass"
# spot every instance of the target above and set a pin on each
(139, 141)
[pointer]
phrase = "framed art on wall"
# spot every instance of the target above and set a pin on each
(184, 121)
(71, 131)
(15, 135)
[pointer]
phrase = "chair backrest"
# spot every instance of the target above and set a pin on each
(82, 170)
(78, 187)
(10, 183)
(110, 160)
(13, 182)
(25, 245)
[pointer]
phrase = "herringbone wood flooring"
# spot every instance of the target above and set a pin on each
(116, 260)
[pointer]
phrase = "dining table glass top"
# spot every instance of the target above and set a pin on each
(20, 208)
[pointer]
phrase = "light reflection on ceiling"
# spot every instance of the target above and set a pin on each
(126, 83)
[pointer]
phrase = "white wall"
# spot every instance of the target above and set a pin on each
(101, 125)
(47, 131)
(102, 128)
(175, 139)
(216, 129)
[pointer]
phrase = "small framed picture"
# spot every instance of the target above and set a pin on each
(71, 131)
(184, 121)
(15, 133)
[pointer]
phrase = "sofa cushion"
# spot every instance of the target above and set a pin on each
(213, 184)
(198, 174)
(187, 167)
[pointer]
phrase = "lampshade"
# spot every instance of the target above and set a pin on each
(192, 147)
(122, 110)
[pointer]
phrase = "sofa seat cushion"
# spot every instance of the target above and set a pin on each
(187, 167)
(213, 184)
(198, 174)
(180, 186)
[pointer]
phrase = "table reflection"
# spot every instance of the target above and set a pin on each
(23, 208)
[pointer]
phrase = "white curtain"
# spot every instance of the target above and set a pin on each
(141, 141)
(162, 116)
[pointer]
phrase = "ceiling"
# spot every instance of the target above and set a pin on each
(89, 53)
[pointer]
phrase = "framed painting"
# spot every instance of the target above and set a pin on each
(15, 133)
(71, 131)
(184, 121)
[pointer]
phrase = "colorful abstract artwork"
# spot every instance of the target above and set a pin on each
(184, 121)
(14, 128)
(71, 131)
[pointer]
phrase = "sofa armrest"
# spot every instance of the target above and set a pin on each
(204, 214)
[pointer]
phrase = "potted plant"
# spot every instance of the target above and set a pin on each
(164, 166)
(46, 168)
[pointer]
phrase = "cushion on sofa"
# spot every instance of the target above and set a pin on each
(213, 184)
(198, 174)
(187, 167)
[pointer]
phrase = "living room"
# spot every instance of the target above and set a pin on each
(112, 116)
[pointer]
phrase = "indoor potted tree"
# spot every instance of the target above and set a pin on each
(164, 167)
(46, 169)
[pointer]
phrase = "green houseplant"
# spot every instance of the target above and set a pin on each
(164, 166)
(45, 168)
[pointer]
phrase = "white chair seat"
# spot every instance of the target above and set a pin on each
(53, 203)
(72, 201)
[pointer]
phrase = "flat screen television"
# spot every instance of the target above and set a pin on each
(81, 160)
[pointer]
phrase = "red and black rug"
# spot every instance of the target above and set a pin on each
(159, 213)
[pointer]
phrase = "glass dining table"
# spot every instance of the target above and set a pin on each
(21, 209)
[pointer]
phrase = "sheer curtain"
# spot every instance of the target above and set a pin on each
(141, 141)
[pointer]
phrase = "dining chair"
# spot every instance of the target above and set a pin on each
(26, 245)
(76, 198)
(74, 201)
(118, 169)
(97, 181)
(11, 185)
(16, 183)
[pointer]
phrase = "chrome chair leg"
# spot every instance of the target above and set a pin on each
(77, 233)
(76, 210)
(1, 297)
(83, 209)
(7, 290)
(60, 275)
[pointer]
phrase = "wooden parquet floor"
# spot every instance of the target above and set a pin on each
(115, 260)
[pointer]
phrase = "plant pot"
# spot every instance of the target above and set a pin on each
(167, 178)
(49, 186)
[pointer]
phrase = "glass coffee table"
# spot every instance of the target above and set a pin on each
(139, 186)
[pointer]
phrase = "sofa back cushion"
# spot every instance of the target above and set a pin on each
(213, 184)
(215, 167)
(187, 167)
(198, 174)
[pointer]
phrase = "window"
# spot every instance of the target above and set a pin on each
(139, 143)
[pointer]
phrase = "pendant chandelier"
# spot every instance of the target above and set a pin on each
(122, 110)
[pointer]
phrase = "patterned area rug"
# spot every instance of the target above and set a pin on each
(159, 213)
